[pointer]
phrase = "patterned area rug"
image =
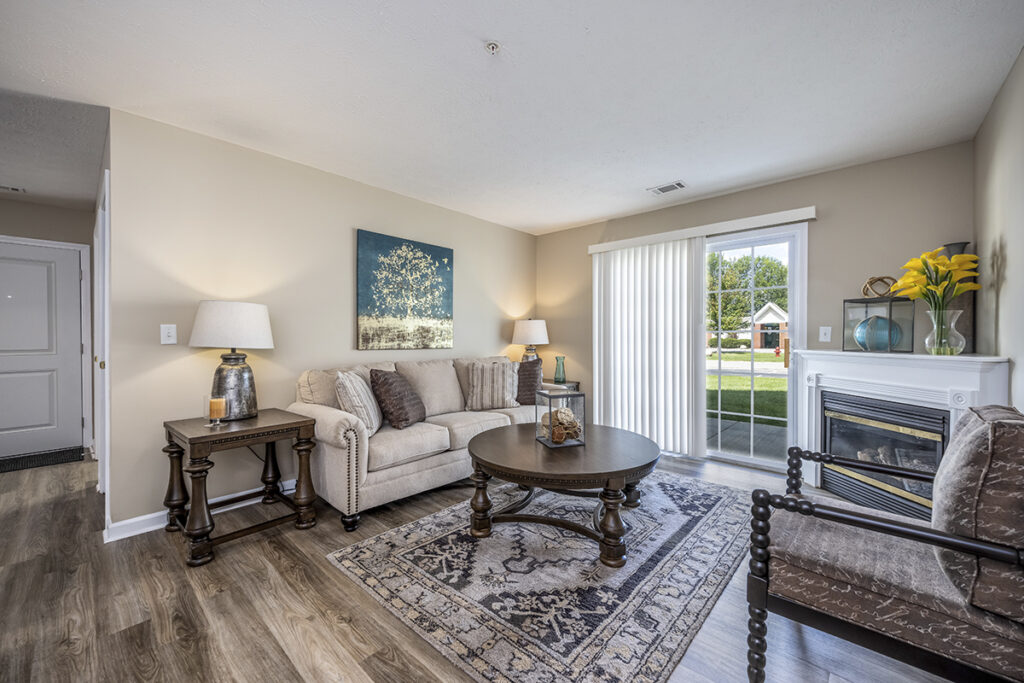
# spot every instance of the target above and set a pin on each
(533, 602)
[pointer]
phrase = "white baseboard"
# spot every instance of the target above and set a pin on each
(116, 531)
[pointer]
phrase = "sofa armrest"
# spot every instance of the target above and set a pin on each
(332, 425)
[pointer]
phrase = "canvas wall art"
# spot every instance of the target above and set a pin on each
(404, 293)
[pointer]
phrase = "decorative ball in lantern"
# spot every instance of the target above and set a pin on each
(873, 333)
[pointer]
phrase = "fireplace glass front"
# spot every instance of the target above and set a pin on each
(887, 433)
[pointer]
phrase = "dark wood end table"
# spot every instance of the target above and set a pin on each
(612, 461)
(194, 438)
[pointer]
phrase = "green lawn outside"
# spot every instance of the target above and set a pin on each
(769, 396)
(759, 356)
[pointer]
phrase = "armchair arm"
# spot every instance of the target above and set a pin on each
(796, 455)
(890, 527)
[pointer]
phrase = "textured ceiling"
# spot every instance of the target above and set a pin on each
(587, 103)
(51, 148)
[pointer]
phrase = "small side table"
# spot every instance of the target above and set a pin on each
(194, 438)
(570, 385)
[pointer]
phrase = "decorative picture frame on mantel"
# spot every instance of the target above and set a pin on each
(404, 293)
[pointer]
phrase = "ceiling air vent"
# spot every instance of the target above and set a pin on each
(669, 187)
(8, 188)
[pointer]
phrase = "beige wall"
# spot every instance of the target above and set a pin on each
(871, 219)
(195, 218)
(999, 217)
(42, 222)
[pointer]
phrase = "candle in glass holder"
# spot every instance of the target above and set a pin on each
(218, 408)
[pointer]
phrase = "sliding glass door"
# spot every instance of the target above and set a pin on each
(753, 310)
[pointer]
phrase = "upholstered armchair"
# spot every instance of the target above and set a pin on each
(947, 598)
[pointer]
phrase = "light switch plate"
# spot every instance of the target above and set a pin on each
(168, 334)
(824, 334)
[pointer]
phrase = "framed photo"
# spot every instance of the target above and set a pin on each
(404, 293)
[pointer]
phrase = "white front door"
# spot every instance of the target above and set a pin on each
(40, 349)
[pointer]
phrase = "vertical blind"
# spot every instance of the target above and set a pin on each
(648, 354)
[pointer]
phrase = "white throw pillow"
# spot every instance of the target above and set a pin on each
(354, 396)
(492, 385)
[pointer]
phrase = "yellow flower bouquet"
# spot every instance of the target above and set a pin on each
(938, 279)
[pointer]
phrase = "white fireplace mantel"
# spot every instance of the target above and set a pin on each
(952, 383)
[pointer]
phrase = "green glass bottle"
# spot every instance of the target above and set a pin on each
(559, 369)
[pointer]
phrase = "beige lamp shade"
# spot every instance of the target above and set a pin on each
(232, 325)
(530, 332)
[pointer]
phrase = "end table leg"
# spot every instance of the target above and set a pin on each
(176, 497)
(305, 496)
(271, 474)
(613, 549)
(480, 520)
(200, 522)
(632, 496)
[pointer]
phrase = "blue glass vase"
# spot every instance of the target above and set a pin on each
(559, 369)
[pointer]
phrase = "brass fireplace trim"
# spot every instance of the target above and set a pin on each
(895, 490)
(909, 431)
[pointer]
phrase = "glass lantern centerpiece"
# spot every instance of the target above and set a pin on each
(560, 418)
(881, 324)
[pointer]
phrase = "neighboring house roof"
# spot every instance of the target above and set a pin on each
(770, 313)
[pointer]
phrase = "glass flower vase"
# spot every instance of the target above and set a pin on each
(944, 340)
(559, 369)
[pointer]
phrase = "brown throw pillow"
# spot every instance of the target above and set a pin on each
(398, 401)
(529, 382)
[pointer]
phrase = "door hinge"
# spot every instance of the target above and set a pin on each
(83, 422)
(83, 348)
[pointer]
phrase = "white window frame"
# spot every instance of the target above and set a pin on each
(796, 234)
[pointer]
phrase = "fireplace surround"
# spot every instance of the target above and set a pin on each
(898, 409)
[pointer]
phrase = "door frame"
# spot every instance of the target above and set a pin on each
(101, 332)
(796, 326)
(85, 320)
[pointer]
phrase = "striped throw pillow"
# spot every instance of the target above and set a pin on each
(492, 385)
(354, 396)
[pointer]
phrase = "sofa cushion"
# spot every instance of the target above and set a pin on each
(518, 415)
(530, 373)
(491, 385)
(979, 493)
(317, 386)
(355, 397)
(463, 426)
(462, 370)
(390, 447)
(398, 400)
(436, 383)
(854, 574)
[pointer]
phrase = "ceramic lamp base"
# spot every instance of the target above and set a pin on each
(234, 381)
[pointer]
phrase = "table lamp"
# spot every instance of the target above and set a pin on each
(233, 325)
(530, 333)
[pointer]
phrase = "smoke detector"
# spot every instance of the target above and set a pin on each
(667, 187)
(8, 188)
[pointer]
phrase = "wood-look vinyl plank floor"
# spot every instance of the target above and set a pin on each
(271, 607)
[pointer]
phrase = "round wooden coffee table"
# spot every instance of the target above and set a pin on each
(612, 460)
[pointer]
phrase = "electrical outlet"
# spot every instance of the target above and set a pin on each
(168, 334)
(824, 334)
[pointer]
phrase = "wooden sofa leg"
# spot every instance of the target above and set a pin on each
(351, 522)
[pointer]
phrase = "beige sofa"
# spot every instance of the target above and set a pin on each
(354, 471)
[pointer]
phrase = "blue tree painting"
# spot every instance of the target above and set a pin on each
(404, 292)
